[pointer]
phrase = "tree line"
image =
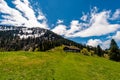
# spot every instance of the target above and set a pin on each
(113, 52)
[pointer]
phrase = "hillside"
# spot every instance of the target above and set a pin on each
(15, 38)
(56, 65)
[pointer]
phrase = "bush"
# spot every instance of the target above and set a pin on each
(31, 49)
(37, 49)
(92, 52)
(84, 51)
(106, 56)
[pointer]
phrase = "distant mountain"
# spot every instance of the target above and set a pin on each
(14, 38)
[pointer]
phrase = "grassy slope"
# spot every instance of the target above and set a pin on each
(56, 65)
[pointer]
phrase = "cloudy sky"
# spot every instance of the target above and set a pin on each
(91, 22)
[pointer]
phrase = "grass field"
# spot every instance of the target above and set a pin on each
(56, 65)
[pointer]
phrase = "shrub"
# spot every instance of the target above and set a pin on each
(31, 49)
(84, 51)
(37, 49)
(92, 52)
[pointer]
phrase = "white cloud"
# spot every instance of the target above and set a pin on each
(116, 15)
(95, 24)
(74, 27)
(94, 42)
(60, 29)
(84, 17)
(117, 36)
(41, 17)
(23, 15)
(106, 44)
(98, 26)
(60, 21)
(13, 15)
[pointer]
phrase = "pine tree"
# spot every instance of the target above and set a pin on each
(99, 51)
(114, 51)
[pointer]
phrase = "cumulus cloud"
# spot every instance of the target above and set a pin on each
(95, 24)
(117, 36)
(98, 26)
(106, 44)
(60, 29)
(22, 15)
(95, 42)
(74, 27)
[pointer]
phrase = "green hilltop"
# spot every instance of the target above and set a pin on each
(56, 64)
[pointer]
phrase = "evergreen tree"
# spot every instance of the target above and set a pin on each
(114, 51)
(99, 51)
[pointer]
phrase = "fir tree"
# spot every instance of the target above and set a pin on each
(114, 51)
(99, 51)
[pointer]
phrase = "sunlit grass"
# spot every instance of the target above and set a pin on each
(56, 65)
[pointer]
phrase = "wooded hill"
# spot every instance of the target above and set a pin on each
(22, 38)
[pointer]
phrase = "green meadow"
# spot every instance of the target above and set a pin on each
(56, 65)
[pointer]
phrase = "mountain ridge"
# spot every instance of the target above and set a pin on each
(31, 39)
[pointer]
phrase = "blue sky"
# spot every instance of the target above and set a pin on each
(72, 9)
(91, 22)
